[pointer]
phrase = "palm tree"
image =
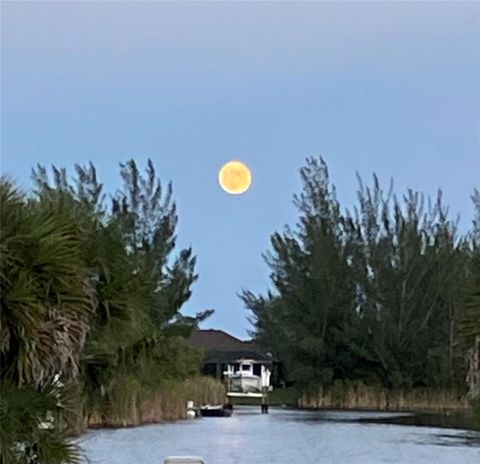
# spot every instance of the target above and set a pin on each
(33, 427)
(90, 292)
(45, 298)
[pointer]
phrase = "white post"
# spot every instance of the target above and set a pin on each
(265, 378)
(190, 410)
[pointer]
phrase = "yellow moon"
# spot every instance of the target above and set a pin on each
(235, 177)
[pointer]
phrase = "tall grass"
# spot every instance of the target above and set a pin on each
(356, 395)
(167, 403)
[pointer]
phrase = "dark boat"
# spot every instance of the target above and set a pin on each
(216, 411)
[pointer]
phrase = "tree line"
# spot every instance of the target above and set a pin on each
(90, 291)
(386, 292)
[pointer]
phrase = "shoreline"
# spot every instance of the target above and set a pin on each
(458, 420)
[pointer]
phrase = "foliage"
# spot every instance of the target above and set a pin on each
(90, 290)
(32, 425)
(375, 294)
(471, 323)
(45, 296)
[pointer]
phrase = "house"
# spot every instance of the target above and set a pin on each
(223, 350)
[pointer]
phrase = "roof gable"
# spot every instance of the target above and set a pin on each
(216, 340)
(218, 343)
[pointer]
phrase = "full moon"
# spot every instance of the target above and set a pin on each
(235, 177)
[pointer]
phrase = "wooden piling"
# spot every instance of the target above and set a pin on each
(264, 406)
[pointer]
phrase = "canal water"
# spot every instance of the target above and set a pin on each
(285, 437)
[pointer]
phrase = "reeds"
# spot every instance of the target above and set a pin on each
(356, 395)
(168, 403)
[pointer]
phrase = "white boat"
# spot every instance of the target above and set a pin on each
(243, 380)
(244, 383)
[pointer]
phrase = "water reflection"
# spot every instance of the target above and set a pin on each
(464, 439)
(337, 415)
(451, 420)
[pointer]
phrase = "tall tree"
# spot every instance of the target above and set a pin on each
(372, 295)
(306, 322)
(46, 300)
(91, 293)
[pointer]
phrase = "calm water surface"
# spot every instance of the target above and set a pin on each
(284, 437)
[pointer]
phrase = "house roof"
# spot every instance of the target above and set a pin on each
(221, 346)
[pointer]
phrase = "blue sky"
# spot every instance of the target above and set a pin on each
(379, 86)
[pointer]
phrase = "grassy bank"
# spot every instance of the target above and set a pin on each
(166, 404)
(360, 396)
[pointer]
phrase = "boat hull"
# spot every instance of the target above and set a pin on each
(215, 412)
(245, 384)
